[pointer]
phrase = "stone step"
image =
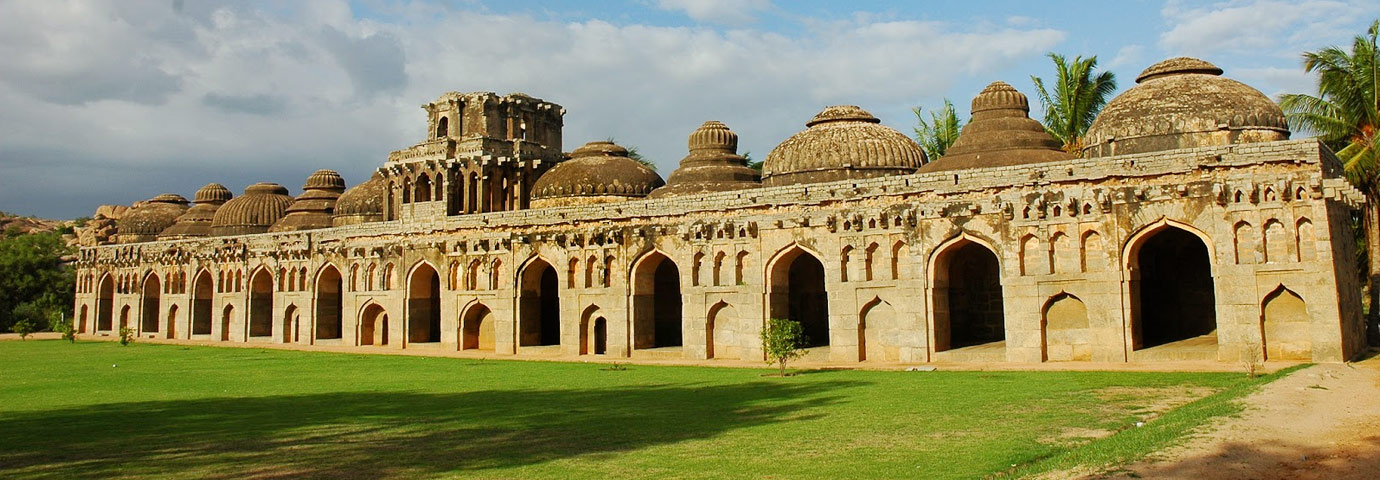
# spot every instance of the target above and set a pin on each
(659, 353)
(985, 353)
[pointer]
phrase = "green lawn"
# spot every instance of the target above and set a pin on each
(96, 409)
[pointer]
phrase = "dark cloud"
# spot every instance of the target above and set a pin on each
(374, 63)
(249, 104)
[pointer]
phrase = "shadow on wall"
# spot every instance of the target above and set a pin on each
(1359, 460)
(374, 435)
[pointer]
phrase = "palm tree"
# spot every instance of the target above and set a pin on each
(939, 132)
(1079, 93)
(1346, 116)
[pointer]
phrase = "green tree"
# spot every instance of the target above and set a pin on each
(781, 340)
(25, 327)
(62, 325)
(34, 283)
(936, 134)
(1345, 114)
(1078, 94)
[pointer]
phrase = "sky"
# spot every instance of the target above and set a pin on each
(112, 102)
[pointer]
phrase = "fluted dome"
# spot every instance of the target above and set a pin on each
(841, 142)
(315, 206)
(713, 165)
(261, 205)
(598, 172)
(144, 222)
(1000, 133)
(213, 193)
(362, 203)
(196, 222)
(1182, 103)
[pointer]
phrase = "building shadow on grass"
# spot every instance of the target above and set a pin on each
(1284, 459)
(384, 434)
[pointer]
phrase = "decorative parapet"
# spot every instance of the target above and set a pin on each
(435, 149)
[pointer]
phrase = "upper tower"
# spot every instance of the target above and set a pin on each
(482, 153)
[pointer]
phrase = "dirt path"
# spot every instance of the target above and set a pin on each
(1322, 422)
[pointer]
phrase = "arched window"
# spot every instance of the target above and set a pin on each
(442, 127)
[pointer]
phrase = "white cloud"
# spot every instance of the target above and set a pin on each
(728, 12)
(267, 95)
(1258, 26)
(1128, 56)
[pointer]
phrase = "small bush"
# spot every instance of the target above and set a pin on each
(24, 327)
(126, 336)
(69, 333)
(781, 340)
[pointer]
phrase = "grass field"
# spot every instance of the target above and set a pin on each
(99, 410)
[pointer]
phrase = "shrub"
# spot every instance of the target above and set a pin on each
(781, 340)
(126, 336)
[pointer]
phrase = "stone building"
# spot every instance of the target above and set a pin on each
(1188, 227)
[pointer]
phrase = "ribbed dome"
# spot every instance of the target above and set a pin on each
(362, 203)
(144, 222)
(213, 193)
(314, 207)
(598, 172)
(1000, 133)
(196, 222)
(1183, 103)
(841, 142)
(261, 205)
(712, 166)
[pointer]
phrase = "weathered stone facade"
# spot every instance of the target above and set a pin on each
(1216, 251)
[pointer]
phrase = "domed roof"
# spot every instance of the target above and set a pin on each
(1183, 103)
(213, 193)
(1001, 133)
(841, 142)
(361, 203)
(256, 210)
(196, 222)
(713, 165)
(145, 221)
(314, 207)
(598, 172)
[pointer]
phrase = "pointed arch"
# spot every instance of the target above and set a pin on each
(260, 303)
(152, 303)
(722, 326)
(1284, 326)
(739, 266)
(329, 303)
(845, 255)
(591, 341)
(875, 317)
(898, 253)
(423, 304)
(105, 303)
(477, 328)
(373, 325)
(798, 290)
(1304, 240)
(656, 301)
(1065, 329)
(496, 274)
(539, 303)
(1171, 287)
(1276, 242)
(291, 323)
(202, 290)
(966, 293)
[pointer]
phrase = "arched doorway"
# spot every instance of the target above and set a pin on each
(151, 306)
(601, 335)
(81, 320)
(1172, 296)
(261, 304)
(290, 325)
(201, 304)
(172, 322)
(477, 329)
(797, 291)
(424, 305)
(1284, 326)
(540, 306)
(328, 304)
(656, 303)
(876, 317)
(967, 297)
(225, 320)
(721, 328)
(373, 326)
(124, 317)
(1066, 333)
(105, 304)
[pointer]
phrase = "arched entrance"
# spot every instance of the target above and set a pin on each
(225, 320)
(721, 328)
(797, 291)
(105, 304)
(1284, 326)
(201, 304)
(656, 303)
(261, 304)
(328, 304)
(151, 306)
(81, 320)
(967, 297)
(1171, 284)
(172, 322)
(124, 317)
(877, 317)
(290, 324)
(540, 306)
(601, 335)
(373, 326)
(424, 305)
(477, 329)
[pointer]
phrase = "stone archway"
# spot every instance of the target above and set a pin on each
(202, 290)
(151, 304)
(226, 319)
(373, 326)
(1285, 327)
(424, 305)
(721, 330)
(261, 304)
(797, 291)
(876, 317)
(656, 303)
(105, 304)
(477, 329)
(1066, 333)
(539, 305)
(967, 296)
(1172, 289)
(329, 304)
